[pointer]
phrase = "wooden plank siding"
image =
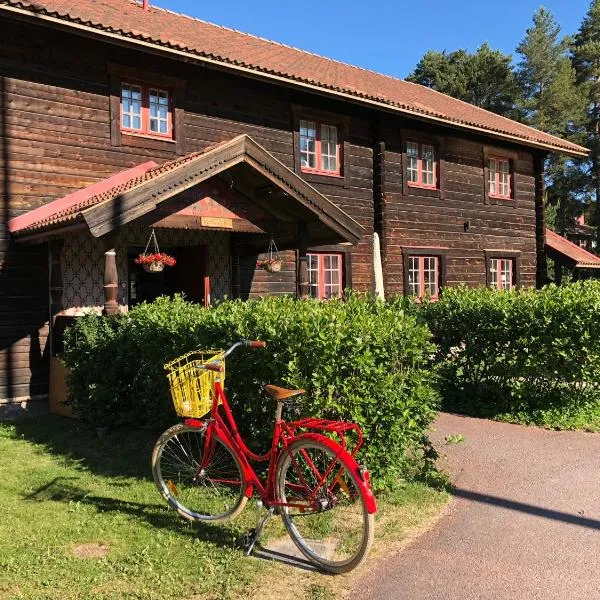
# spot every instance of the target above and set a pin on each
(416, 219)
(55, 138)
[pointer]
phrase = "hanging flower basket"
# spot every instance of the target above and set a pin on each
(156, 262)
(273, 263)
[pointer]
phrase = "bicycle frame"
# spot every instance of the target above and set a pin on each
(225, 429)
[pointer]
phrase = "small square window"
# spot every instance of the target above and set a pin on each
(319, 148)
(325, 275)
(421, 165)
(146, 110)
(499, 177)
(502, 273)
(423, 276)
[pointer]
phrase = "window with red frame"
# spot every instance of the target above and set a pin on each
(423, 276)
(421, 167)
(146, 110)
(319, 148)
(325, 275)
(501, 273)
(499, 177)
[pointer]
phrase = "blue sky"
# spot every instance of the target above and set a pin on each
(389, 36)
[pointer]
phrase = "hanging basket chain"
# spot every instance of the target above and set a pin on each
(152, 238)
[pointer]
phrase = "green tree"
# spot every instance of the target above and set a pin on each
(550, 100)
(586, 60)
(484, 78)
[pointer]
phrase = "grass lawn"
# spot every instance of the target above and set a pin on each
(81, 518)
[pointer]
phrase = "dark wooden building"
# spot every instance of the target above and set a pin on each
(117, 117)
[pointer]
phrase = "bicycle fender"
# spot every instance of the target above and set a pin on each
(362, 475)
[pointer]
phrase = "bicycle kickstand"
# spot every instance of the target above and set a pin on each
(253, 536)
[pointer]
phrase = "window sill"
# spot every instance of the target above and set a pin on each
(148, 136)
(498, 197)
(412, 184)
(422, 190)
(324, 178)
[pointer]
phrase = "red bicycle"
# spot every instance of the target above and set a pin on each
(202, 467)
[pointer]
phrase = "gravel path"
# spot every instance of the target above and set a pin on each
(524, 524)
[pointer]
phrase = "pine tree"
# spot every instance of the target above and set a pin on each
(551, 101)
(484, 78)
(586, 60)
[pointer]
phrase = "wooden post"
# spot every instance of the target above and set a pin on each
(541, 274)
(303, 280)
(111, 276)
(557, 272)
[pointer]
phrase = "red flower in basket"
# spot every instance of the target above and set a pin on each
(155, 262)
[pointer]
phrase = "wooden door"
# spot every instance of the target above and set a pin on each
(192, 272)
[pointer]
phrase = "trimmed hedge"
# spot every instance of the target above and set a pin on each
(359, 360)
(528, 356)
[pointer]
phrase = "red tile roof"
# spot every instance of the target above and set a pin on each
(66, 210)
(581, 257)
(159, 27)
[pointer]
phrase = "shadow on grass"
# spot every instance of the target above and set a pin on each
(122, 452)
(159, 516)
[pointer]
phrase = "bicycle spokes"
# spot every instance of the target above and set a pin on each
(324, 510)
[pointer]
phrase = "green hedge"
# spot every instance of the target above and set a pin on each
(530, 356)
(359, 359)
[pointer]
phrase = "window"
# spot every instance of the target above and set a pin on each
(501, 273)
(423, 276)
(325, 275)
(319, 148)
(146, 110)
(421, 165)
(499, 177)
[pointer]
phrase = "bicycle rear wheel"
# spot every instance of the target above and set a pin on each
(325, 512)
(198, 487)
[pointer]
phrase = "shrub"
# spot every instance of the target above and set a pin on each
(531, 356)
(359, 360)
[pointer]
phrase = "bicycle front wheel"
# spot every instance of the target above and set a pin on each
(324, 509)
(201, 482)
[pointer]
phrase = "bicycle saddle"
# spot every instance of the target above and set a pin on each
(279, 394)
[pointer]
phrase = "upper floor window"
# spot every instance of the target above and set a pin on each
(319, 148)
(499, 177)
(325, 275)
(421, 167)
(423, 276)
(501, 273)
(146, 110)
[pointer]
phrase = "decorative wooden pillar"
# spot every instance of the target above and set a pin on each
(541, 274)
(111, 276)
(303, 280)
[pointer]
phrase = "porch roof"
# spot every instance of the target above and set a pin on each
(142, 190)
(569, 252)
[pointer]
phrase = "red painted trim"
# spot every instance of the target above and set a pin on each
(421, 263)
(318, 150)
(145, 114)
(499, 263)
(419, 183)
(321, 272)
(60, 204)
(497, 195)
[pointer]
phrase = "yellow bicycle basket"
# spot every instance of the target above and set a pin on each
(192, 386)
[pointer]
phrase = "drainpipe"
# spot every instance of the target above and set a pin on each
(146, 4)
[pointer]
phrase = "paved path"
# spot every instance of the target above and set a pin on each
(525, 522)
